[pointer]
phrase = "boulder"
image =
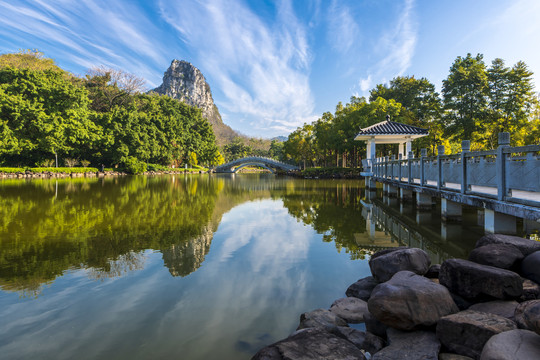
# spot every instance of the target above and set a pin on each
(373, 343)
(354, 336)
(433, 271)
(466, 332)
(461, 303)
(374, 326)
(498, 307)
(530, 315)
(519, 316)
(350, 309)
(313, 343)
(531, 290)
(530, 267)
(409, 301)
(449, 356)
(503, 256)
(526, 246)
(320, 318)
(384, 266)
(409, 345)
(475, 281)
(362, 288)
(512, 345)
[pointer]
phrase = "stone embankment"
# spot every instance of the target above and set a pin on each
(89, 174)
(487, 308)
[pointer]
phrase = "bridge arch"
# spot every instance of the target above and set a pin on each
(253, 164)
(267, 163)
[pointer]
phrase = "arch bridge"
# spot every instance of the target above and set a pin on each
(267, 163)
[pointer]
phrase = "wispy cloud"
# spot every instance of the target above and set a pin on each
(397, 47)
(260, 65)
(87, 32)
(343, 31)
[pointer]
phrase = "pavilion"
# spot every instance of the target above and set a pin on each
(389, 132)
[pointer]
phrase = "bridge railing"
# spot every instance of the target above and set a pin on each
(256, 159)
(506, 173)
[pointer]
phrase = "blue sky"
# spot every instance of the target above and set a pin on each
(273, 65)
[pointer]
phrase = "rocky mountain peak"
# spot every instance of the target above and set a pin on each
(184, 82)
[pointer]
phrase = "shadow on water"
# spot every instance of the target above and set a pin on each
(105, 225)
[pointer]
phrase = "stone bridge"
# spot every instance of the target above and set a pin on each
(267, 163)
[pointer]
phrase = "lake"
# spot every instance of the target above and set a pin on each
(189, 267)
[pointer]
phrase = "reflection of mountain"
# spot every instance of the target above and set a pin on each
(185, 257)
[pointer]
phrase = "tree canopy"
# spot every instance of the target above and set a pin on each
(476, 104)
(103, 118)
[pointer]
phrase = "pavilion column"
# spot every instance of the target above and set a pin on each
(401, 149)
(408, 146)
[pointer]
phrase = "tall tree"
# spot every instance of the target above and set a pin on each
(465, 93)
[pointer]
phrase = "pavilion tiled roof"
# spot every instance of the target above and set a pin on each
(392, 128)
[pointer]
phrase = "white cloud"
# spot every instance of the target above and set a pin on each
(260, 66)
(343, 31)
(397, 46)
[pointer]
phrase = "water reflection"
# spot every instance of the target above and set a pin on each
(50, 226)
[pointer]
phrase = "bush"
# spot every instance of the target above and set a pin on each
(67, 170)
(11, 170)
(134, 166)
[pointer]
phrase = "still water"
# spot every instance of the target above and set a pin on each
(188, 267)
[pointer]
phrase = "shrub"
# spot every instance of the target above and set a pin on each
(11, 170)
(134, 166)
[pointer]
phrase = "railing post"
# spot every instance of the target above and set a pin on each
(399, 167)
(386, 159)
(440, 152)
(392, 168)
(409, 176)
(465, 148)
(504, 141)
(423, 155)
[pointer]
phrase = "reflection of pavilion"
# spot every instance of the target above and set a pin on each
(389, 224)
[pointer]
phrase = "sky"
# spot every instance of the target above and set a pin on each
(275, 65)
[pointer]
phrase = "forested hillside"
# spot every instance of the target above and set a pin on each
(103, 118)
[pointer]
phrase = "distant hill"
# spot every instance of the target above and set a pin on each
(280, 138)
(184, 82)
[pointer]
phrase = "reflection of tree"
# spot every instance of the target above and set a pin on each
(122, 265)
(333, 209)
(94, 223)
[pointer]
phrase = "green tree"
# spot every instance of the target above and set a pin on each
(465, 93)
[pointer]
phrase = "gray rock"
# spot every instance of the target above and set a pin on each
(530, 267)
(519, 316)
(354, 336)
(313, 343)
(373, 343)
(384, 266)
(530, 315)
(503, 256)
(461, 303)
(526, 246)
(374, 326)
(512, 345)
(320, 318)
(471, 280)
(531, 290)
(449, 356)
(350, 309)
(410, 345)
(433, 271)
(409, 301)
(466, 332)
(362, 288)
(498, 307)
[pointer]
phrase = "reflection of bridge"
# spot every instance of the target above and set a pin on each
(267, 163)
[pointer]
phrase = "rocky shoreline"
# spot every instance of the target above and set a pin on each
(487, 308)
(88, 174)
